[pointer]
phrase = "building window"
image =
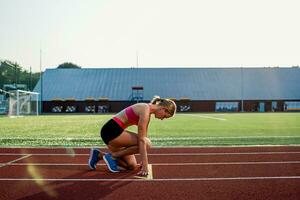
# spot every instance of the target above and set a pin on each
(57, 109)
(274, 106)
(71, 109)
(292, 106)
(227, 106)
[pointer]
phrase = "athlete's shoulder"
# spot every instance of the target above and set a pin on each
(141, 107)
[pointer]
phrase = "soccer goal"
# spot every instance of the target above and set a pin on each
(23, 103)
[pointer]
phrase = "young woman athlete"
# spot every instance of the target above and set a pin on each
(123, 144)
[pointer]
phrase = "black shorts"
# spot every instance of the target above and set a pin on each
(110, 131)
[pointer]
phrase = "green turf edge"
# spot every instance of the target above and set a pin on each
(6, 142)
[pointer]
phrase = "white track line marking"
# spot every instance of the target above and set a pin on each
(161, 164)
(214, 154)
(162, 154)
(168, 147)
(229, 163)
(160, 179)
(207, 117)
(153, 138)
(11, 162)
(220, 137)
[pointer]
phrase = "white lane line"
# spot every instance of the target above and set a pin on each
(162, 154)
(229, 163)
(162, 164)
(13, 161)
(221, 137)
(207, 117)
(159, 179)
(157, 139)
(214, 154)
(167, 147)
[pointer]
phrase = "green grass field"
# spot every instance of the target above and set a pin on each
(198, 129)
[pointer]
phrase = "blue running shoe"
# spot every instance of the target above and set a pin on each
(94, 158)
(111, 163)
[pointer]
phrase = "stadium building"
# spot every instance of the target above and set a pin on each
(100, 90)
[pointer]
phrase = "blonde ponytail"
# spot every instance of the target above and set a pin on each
(169, 104)
(155, 99)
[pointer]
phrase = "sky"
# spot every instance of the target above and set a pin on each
(150, 33)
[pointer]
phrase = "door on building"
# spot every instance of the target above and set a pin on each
(274, 106)
(261, 107)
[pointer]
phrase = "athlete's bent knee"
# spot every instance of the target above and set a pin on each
(132, 166)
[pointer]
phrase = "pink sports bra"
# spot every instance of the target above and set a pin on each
(131, 116)
(133, 119)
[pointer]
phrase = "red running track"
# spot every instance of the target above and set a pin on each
(178, 173)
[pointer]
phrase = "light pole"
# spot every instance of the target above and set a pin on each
(41, 79)
(242, 90)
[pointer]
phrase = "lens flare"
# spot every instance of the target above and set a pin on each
(70, 152)
(34, 173)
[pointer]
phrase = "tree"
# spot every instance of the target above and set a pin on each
(9, 72)
(13, 73)
(68, 65)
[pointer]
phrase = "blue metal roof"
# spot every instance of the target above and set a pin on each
(194, 83)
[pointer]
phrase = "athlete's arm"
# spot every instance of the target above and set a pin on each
(144, 119)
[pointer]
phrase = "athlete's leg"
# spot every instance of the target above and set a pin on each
(125, 139)
(127, 142)
(125, 146)
(127, 161)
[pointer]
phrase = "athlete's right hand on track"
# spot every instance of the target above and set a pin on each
(144, 171)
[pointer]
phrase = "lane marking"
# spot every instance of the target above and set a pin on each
(229, 163)
(212, 154)
(162, 164)
(13, 161)
(221, 137)
(163, 154)
(154, 138)
(170, 147)
(207, 117)
(160, 179)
